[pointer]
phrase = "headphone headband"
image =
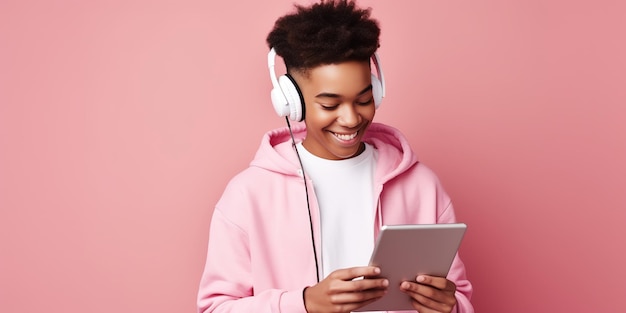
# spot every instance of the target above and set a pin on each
(379, 73)
(271, 60)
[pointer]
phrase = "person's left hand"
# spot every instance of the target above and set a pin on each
(431, 294)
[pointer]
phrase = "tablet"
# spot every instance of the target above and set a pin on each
(404, 251)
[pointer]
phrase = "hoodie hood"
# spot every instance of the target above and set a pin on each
(276, 152)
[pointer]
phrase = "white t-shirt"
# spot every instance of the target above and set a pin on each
(345, 193)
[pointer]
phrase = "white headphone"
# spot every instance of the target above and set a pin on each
(287, 98)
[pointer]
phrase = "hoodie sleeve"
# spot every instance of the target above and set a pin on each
(457, 269)
(226, 284)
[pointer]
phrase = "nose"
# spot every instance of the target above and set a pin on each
(349, 116)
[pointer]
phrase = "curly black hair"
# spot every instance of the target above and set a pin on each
(328, 32)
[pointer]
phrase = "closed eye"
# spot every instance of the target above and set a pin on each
(365, 102)
(329, 107)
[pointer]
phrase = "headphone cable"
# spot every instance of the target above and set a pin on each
(308, 205)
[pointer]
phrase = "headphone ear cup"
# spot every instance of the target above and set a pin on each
(281, 106)
(377, 91)
(294, 99)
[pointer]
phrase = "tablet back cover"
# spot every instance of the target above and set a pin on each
(404, 251)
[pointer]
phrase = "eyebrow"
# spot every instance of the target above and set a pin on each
(334, 95)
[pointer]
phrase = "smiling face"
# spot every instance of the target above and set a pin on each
(339, 107)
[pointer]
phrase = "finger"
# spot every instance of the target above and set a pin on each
(343, 281)
(354, 272)
(429, 296)
(438, 282)
(369, 283)
(340, 286)
(348, 306)
(358, 297)
(421, 308)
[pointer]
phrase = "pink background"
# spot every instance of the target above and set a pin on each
(121, 122)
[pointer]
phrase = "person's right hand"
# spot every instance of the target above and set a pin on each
(340, 292)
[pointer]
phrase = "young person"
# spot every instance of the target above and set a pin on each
(293, 230)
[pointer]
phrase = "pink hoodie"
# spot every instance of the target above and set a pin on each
(260, 254)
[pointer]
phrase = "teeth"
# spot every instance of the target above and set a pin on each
(346, 137)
